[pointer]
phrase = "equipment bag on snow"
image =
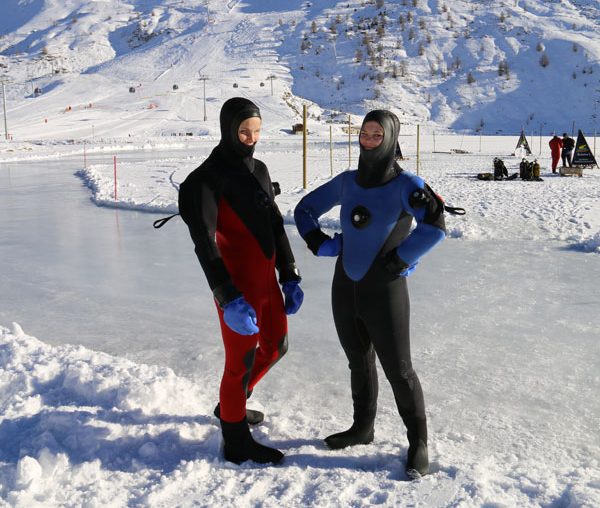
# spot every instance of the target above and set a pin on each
(500, 171)
(526, 170)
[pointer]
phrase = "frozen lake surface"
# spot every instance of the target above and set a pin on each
(505, 340)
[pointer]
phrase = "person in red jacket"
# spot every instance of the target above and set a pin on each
(556, 145)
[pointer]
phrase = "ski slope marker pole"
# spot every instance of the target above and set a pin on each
(115, 174)
(331, 150)
(418, 138)
(304, 129)
(349, 141)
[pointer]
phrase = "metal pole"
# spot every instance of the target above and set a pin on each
(271, 77)
(531, 136)
(203, 79)
(540, 139)
(115, 174)
(331, 150)
(304, 109)
(4, 106)
(349, 141)
(418, 140)
(333, 38)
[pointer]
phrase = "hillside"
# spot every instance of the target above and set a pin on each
(132, 67)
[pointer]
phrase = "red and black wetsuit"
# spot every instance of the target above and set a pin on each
(239, 237)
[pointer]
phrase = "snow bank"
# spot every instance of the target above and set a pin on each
(74, 416)
(564, 209)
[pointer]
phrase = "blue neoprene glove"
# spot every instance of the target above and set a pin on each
(294, 296)
(240, 317)
(331, 247)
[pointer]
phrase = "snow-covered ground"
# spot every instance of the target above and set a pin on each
(505, 339)
(565, 209)
(110, 353)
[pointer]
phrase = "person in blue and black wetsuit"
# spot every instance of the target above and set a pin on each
(376, 252)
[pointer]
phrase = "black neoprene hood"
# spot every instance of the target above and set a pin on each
(233, 113)
(377, 166)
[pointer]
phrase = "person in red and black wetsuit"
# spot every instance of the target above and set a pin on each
(239, 238)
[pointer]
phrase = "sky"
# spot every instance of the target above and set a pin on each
(110, 351)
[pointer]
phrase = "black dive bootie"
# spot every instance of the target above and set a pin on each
(417, 460)
(253, 416)
(240, 445)
(355, 435)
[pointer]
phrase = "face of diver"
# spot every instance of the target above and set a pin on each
(371, 135)
(249, 131)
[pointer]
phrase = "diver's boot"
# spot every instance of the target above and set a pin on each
(417, 458)
(359, 433)
(364, 387)
(240, 445)
(253, 416)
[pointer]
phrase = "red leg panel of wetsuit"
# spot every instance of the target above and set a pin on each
(248, 358)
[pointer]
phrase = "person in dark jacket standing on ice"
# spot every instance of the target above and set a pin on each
(556, 145)
(239, 238)
(376, 251)
(567, 150)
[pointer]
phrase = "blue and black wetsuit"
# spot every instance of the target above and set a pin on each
(376, 251)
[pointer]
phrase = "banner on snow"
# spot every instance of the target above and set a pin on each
(583, 156)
